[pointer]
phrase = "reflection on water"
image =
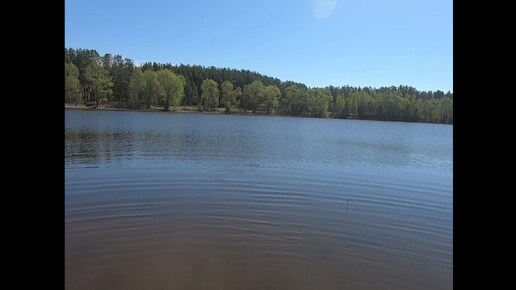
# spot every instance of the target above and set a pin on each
(278, 140)
(199, 201)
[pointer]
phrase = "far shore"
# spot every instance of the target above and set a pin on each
(178, 109)
(195, 109)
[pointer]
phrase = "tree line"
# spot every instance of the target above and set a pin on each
(108, 80)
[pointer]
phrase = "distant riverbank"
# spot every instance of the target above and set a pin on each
(179, 109)
(93, 80)
(195, 109)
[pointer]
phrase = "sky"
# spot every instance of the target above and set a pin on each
(319, 43)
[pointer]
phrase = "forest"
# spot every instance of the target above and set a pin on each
(116, 82)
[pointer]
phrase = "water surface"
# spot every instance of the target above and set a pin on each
(205, 201)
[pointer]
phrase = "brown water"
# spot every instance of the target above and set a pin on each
(197, 201)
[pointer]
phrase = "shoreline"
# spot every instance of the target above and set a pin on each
(181, 109)
(217, 111)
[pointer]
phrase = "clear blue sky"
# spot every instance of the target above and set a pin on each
(317, 42)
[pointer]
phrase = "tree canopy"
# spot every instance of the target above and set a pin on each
(209, 95)
(72, 84)
(115, 81)
(172, 88)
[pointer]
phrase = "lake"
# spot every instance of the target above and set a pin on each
(212, 201)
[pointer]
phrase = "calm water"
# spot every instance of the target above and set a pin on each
(200, 201)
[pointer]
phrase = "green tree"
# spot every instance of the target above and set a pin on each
(172, 88)
(340, 106)
(82, 58)
(229, 95)
(72, 84)
(99, 84)
(121, 71)
(447, 110)
(318, 101)
(352, 104)
(294, 99)
(271, 96)
(234, 99)
(245, 102)
(254, 95)
(226, 88)
(151, 87)
(136, 89)
(209, 95)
